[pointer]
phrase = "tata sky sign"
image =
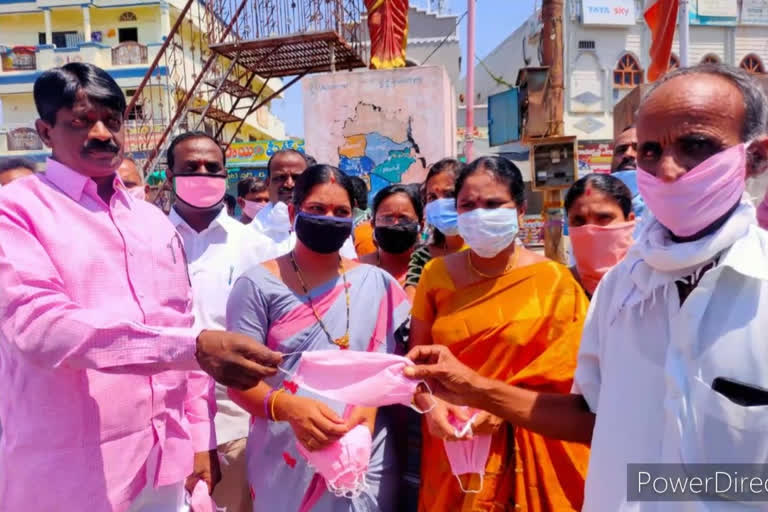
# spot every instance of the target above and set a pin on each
(608, 12)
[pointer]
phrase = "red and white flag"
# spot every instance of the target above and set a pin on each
(661, 17)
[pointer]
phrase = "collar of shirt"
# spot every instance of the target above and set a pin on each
(222, 220)
(74, 184)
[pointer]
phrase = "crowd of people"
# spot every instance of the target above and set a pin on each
(313, 353)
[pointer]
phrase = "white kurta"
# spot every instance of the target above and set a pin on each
(646, 364)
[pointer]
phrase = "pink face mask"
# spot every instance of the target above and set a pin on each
(701, 196)
(597, 249)
(367, 379)
(469, 456)
(137, 193)
(252, 208)
(762, 213)
(200, 501)
(344, 463)
(200, 190)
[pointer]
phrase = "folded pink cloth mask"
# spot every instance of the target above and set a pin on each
(365, 379)
(468, 456)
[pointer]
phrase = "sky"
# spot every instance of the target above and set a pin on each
(495, 21)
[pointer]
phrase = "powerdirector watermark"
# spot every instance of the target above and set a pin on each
(697, 482)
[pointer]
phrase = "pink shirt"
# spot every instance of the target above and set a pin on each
(97, 350)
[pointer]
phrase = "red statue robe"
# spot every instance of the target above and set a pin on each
(388, 27)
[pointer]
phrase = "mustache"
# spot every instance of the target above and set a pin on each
(99, 146)
(628, 162)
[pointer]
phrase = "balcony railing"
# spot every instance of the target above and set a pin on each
(19, 58)
(129, 53)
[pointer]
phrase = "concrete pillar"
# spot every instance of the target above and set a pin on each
(87, 23)
(165, 20)
(48, 26)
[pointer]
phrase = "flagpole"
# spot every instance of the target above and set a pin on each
(684, 34)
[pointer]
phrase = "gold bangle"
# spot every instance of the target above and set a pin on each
(272, 406)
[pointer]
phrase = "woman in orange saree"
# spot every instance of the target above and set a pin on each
(511, 315)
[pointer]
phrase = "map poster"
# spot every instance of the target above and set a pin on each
(386, 126)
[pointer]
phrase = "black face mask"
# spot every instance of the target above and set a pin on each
(322, 234)
(398, 238)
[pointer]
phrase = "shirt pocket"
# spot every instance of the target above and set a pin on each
(173, 287)
(717, 430)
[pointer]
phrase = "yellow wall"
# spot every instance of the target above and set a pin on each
(18, 109)
(23, 29)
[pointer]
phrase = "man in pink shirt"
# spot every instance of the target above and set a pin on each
(104, 405)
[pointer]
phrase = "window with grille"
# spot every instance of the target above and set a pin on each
(710, 59)
(752, 64)
(627, 73)
(586, 45)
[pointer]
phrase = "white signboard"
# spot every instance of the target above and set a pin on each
(754, 12)
(608, 12)
(717, 8)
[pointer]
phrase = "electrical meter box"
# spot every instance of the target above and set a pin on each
(554, 163)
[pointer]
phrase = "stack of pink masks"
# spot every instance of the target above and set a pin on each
(344, 463)
(366, 379)
(469, 456)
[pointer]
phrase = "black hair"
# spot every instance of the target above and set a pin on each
(230, 200)
(502, 169)
(57, 88)
(411, 191)
(361, 192)
(310, 160)
(320, 175)
(288, 151)
(609, 185)
(250, 185)
(445, 165)
(169, 156)
(6, 164)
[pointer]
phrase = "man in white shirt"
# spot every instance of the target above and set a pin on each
(673, 365)
(218, 250)
(283, 169)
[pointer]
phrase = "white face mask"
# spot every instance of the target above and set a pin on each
(138, 193)
(488, 232)
(279, 219)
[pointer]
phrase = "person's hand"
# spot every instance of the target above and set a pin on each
(446, 376)
(486, 423)
(235, 360)
(206, 468)
(438, 418)
(316, 426)
(362, 416)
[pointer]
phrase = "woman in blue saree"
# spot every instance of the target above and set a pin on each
(312, 299)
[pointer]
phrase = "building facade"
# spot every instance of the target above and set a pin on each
(606, 55)
(121, 36)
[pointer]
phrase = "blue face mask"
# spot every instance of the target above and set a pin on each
(441, 213)
(629, 178)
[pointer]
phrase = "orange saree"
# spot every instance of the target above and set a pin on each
(522, 328)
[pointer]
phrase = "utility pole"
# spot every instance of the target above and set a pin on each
(552, 56)
(684, 34)
(469, 142)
